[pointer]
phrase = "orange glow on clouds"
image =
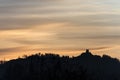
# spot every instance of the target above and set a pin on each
(66, 27)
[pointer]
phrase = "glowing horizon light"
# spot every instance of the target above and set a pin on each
(59, 26)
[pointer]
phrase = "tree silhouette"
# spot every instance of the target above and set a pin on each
(53, 67)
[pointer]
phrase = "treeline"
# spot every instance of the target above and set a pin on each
(53, 67)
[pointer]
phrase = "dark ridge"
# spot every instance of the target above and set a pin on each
(53, 67)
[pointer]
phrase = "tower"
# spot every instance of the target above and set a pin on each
(87, 51)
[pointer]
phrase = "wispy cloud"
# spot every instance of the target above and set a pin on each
(60, 24)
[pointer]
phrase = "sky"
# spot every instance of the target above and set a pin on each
(65, 27)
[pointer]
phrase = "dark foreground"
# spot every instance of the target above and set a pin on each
(53, 67)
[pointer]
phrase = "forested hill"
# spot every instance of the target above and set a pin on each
(53, 67)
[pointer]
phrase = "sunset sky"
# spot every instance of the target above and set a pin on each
(65, 27)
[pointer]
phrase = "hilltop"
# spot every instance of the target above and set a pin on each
(53, 67)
